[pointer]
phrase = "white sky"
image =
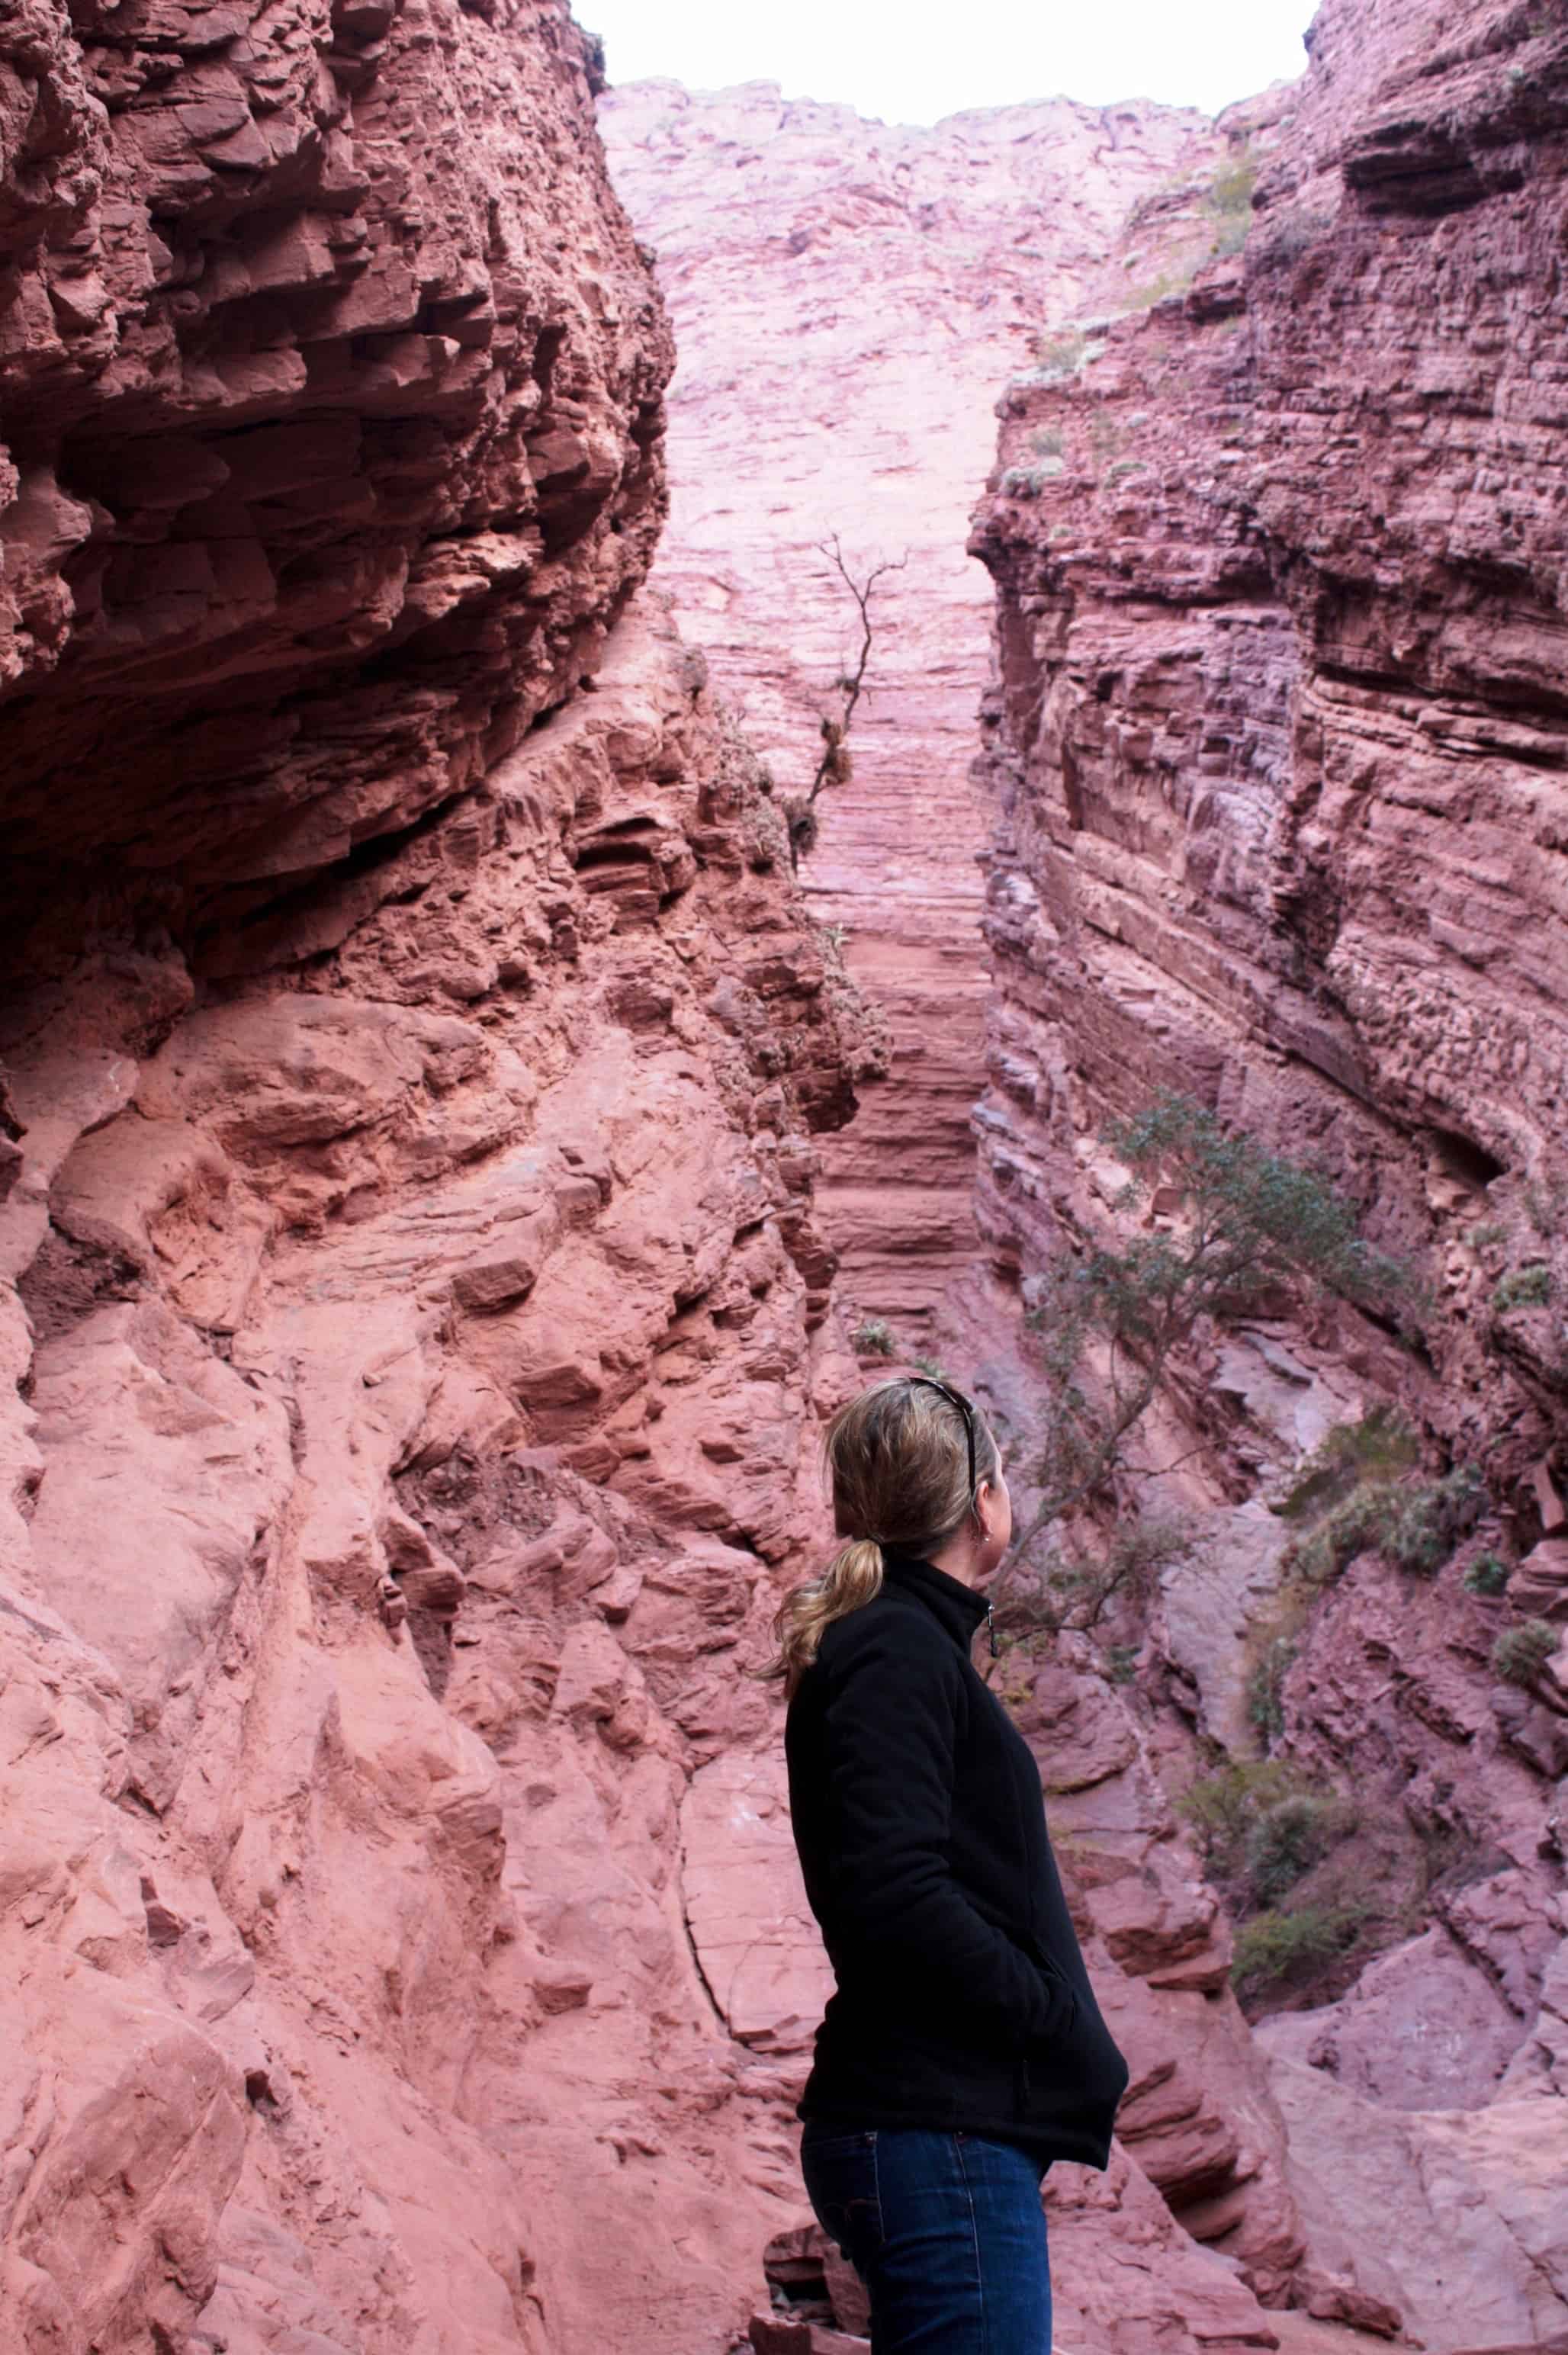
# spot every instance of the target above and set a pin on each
(913, 61)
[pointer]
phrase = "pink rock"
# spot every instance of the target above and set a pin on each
(767, 213)
(1539, 1586)
(345, 1723)
(1553, 1513)
(759, 1949)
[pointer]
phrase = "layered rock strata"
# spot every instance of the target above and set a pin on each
(414, 1325)
(1278, 742)
(415, 1402)
(331, 387)
(847, 296)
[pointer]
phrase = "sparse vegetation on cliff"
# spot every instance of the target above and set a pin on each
(1380, 1444)
(1229, 201)
(1274, 1654)
(833, 766)
(1028, 482)
(1176, 280)
(1520, 1653)
(1417, 1527)
(1283, 237)
(1525, 1287)
(1261, 1824)
(1355, 1494)
(1281, 1946)
(1227, 1226)
(1488, 1575)
(1059, 350)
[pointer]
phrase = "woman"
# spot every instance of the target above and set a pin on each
(963, 2050)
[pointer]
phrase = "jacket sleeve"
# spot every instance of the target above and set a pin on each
(891, 1724)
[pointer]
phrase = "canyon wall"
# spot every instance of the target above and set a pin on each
(1278, 742)
(417, 1065)
(415, 1324)
(848, 295)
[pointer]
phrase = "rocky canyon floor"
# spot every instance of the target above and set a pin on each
(451, 1164)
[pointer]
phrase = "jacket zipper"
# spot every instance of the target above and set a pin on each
(991, 1632)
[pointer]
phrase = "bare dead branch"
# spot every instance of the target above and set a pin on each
(833, 766)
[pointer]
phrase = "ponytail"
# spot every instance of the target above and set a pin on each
(851, 1578)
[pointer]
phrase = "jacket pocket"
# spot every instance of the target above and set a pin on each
(1062, 1994)
(1043, 1956)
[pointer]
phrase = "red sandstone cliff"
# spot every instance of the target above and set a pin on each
(847, 297)
(414, 1316)
(413, 1322)
(1278, 750)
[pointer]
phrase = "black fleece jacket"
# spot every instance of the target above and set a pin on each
(962, 1999)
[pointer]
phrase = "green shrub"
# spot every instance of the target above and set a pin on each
(1232, 191)
(1059, 351)
(1381, 1443)
(1416, 1527)
(1431, 1520)
(1281, 1945)
(1352, 1528)
(1287, 1839)
(1487, 1574)
(1266, 1687)
(1255, 1226)
(1525, 1287)
(874, 1337)
(1230, 203)
(1520, 1653)
(1546, 1206)
(1220, 1807)
(1028, 482)
(1259, 1822)
(1045, 442)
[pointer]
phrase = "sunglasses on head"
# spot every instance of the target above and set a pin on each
(958, 1399)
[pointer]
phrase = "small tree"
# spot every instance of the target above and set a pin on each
(834, 766)
(1244, 1225)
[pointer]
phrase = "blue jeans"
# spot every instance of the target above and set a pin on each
(945, 2229)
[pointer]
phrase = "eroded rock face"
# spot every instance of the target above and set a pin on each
(324, 345)
(848, 295)
(1277, 744)
(1266, 756)
(416, 1404)
(414, 1323)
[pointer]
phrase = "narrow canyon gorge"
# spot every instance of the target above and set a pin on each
(848, 298)
(451, 1162)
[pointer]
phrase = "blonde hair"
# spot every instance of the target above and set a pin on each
(898, 1457)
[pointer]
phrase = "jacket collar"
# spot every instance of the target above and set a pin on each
(957, 1606)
